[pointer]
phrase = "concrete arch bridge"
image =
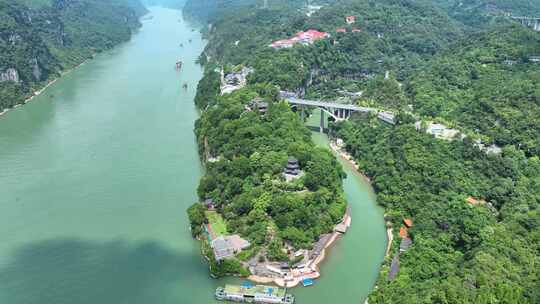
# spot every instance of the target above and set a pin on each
(532, 22)
(338, 111)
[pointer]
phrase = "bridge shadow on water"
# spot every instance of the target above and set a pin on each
(82, 272)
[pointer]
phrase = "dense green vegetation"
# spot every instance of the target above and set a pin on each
(46, 37)
(479, 12)
(395, 35)
(176, 4)
(464, 63)
(487, 85)
(461, 253)
(247, 185)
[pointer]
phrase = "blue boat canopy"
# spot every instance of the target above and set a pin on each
(247, 284)
(307, 282)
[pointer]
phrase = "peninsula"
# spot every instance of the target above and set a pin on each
(434, 101)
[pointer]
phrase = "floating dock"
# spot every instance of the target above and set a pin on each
(254, 294)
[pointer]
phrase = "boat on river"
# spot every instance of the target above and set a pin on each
(179, 65)
(248, 293)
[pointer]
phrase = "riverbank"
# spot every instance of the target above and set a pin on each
(348, 158)
(42, 86)
(45, 87)
(312, 269)
(117, 173)
(390, 238)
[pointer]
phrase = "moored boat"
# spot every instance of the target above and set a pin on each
(254, 294)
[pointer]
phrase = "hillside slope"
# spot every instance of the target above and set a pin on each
(475, 237)
(39, 41)
(487, 84)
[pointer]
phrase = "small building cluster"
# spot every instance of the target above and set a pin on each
(303, 38)
(441, 131)
(387, 117)
(438, 130)
(404, 245)
(235, 80)
(227, 246)
(492, 149)
(349, 20)
(319, 246)
(209, 204)
(481, 202)
(311, 9)
(344, 30)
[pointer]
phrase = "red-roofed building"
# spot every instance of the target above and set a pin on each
(355, 30)
(472, 200)
(475, 201)
(350, 19)
(307, 37)
(341, 30)
(282, 44)
(408, 222)
(403, 233)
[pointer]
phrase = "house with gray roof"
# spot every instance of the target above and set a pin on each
(227, 246)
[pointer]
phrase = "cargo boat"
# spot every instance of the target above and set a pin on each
(254, 294)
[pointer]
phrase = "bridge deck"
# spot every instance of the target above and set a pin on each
(525, 18)
(334, 105)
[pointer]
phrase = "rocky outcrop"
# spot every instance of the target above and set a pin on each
(14, 38)
(9, 75)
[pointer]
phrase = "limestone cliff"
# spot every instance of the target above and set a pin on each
(38, 39)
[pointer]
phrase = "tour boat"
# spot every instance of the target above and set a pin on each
(254, 294)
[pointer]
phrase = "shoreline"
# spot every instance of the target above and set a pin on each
(348, 158)
(45, 87)
(390, 237)
(312, 269)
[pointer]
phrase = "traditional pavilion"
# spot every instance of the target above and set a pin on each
(293, 167)
(258, 104)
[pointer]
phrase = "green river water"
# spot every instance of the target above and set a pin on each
(96, 174)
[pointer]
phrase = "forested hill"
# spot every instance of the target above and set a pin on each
(205, 9)
(474, 12)
(487, 84)
(175, 4)
(466, 64)
(396, 35)
(39, 39)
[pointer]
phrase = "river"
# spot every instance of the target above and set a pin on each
(96, 174)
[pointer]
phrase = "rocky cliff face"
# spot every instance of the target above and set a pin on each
(38, 42)
(9, 75)
(36, 70)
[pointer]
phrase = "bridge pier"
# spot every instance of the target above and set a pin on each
(531, 22)
(321, 126)
(302, 113)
